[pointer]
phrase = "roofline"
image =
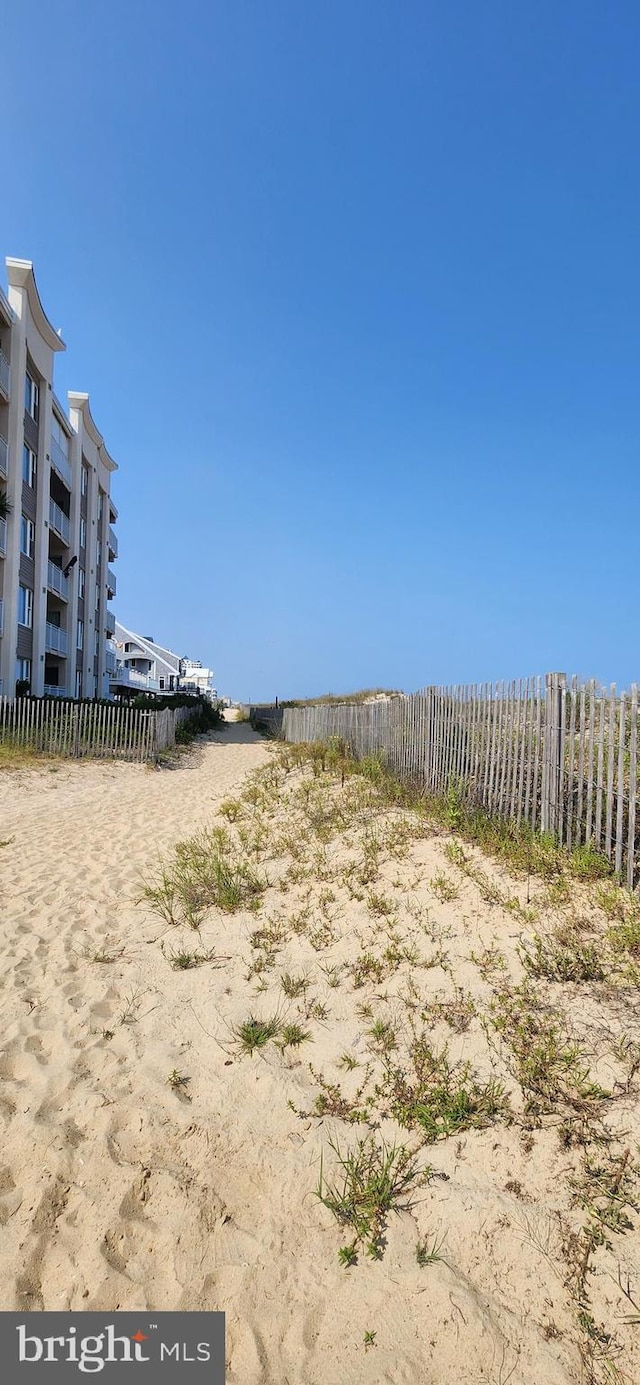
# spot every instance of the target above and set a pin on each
(21, 276)
(80, 402)
(146, 644)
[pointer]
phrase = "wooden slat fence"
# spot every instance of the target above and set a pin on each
(78, 729)
(558, 754)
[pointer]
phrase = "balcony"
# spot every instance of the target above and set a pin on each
(3, 537)
(61, 463)
(59, 522)
(113, 543)
(111, 583)
(129, 677)
(110, 662)
(109, 622)
(5, 375)
(54, 690)
(55, 640)
(57, 582)
(4, 456)
(1, 616)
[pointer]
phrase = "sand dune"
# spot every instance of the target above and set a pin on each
(118, 1191)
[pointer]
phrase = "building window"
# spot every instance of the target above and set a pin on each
(31, 396)
(81, 583)
(100, 504)
(27, 536)
(80, 635)
(25, 607)
(96, 643)
(162, 684)
(83, 533)
(99, 552)
(23, 670)
(78, 684)
(84, 480)
(29, 466)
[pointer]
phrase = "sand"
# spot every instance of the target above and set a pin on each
(119, 1191)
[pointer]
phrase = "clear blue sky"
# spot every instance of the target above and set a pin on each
(354, 288)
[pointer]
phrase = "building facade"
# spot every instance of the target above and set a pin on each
(144, 666)
(57, 539)
(195, 678)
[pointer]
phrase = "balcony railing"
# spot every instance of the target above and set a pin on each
(59, 521)
(111, 581)
(55, 639)
(5, 375)
(3, 536)
(110, 662)
(54, 690)
(60, 463)
(131, 678)
(56, 581)
(1, 616)
(109, 622)
(4, 456)
(113, 543)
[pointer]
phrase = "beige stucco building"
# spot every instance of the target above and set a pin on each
(57, 540)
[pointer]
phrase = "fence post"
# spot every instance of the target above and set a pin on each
(553, 766)
(429, 737)
(76, 731)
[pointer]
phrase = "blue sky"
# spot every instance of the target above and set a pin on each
(354, 289)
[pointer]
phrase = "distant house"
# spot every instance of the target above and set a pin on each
(198, 679)
(142, 665)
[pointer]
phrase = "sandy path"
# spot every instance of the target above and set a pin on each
(117, 1192)
(83, 1111)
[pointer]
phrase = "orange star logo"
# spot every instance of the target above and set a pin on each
(139, 1337)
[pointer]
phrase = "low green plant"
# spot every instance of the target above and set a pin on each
(179, 1083)
(372, 1180)
(294, 986)
(256, 1033)
(548, 1063)
(383, 1035)
(562, 959)
(348, 1062)
(367, 968)
(131, 1005)
(293, 1035)
(443, 888)
(624, 936)
(585, 863)
(181, 959)
(208, 871)
(437, 1097)
(429, 1254)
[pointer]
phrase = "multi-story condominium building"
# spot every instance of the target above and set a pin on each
(57, 540)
